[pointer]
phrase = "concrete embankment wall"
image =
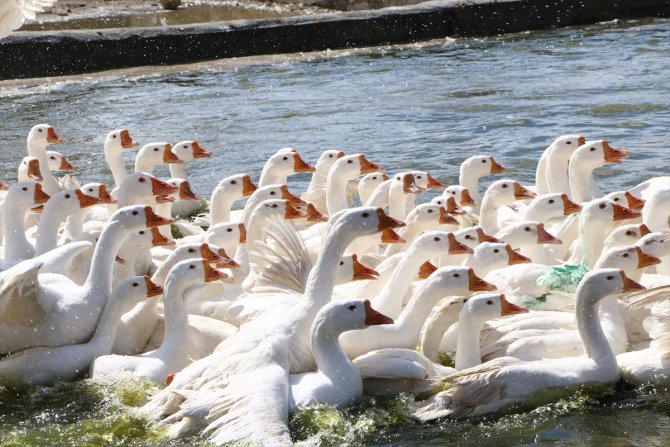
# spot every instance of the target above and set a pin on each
(36, 54)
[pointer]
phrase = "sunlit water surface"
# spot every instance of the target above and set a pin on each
(424, 106)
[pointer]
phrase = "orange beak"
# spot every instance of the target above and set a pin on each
(340, 154)
(164, 199)
(629, 285)
(543, 237)
(434, 184)
(456, 248)
(126, 141)
(644, 260)
(226, 261)
(40, 197)
(409, 186)
(633, 202)
(212, 274)
(153, 219)
(286, 195)
(158, 240)
(496, 168)
(614, 155)
(483, 237)
(367, 167)
(623, 213)
(299, 164)
(65, 166)
(160, 188)
(581, 140)
(169, 379)
(466, 200)
(391, 237)
(104, 196)
(3, 187)
(248, 187)
(52, 136)
(34, 170)
(313, 215)
(243, 234)
(385, 177)
(515, 258)
(569, 207)
(452, 208)
(169, 156)
(186, 193)
(426, 269)
(209, 255)
(292, 213)
(644, 230)
(153, 289)
(386, 222)
(446, 218)
(39, 209)
(521, 193)
(199, 151)
(84, 200)
(477, 284)
(362, 272)
(508, 308)
(374, 318)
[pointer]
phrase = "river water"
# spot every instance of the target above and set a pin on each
(426, 106)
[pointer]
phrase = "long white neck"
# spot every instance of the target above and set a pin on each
(178, 170)
(536, 252)
(589, 243)
(17, 247)
(330, 359)
(319, 178)
(582, 185)
(115, 162)
(390, 299)
(590, 330)
(558, 180)
(220, 205)
(102, 341)
(165, 210)
(144, 164)
(397, 201)
(176, 314)
(488, 217)
(470, 181)
(418, 308)
(74, 225)
(336, 192)
(467, 346)
(99, 280)
(541, 180)
(47, 229)
(49, 183)
(433, 333)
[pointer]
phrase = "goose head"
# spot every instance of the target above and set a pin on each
(183, 192)
(327, 160)
(428, 216)
(70, 201)
(58, 162)
(655, 244)
(369, 183)
(352, 166)
(346, 315)
(237, 186)
(426, 181)
(313, 215)
(604, 212)
(481, 165)
(285, 162)
(506, 191)
(548, 206)
(351, 269)
(627, 259)
(137, 216)
(193, 272)
(458, 280)
(141, 186)
(597, 284)
(155, 154)
(118, 141)
(227, 234)
(41, 135)
(625, 198)
(626, 235)
(189, 150)
(29, 170)
(484, 307)
(407, 182)
(473, 236)
(490, 256)
(460, 193)
(276, 209)
(436, 243)
(564, 146)
(363, 221)
(592, 154)
(526, 233)
(25, 195)
(134, 289)
(98, 190)
(141, 240)
(274, 192)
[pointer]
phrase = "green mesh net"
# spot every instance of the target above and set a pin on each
(564, 278)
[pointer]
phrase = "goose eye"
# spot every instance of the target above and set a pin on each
(24, 188)
(592, 149)
(365, 215)
(142, 180)
(457, 275)
(155, 149)
(53, 158)
(39, 130)
(625, 255)
(436, 239)
(341, 262)
(551, 200)
(616, 199)
(67, 196)
(629, 233)
(135, 213)
(468, 237)
(602, 206)
(453, 193)
(568, 142)
(418, 176)
(135, 284)
(430, 211)
(229, 230)
(609, 278)
(185, 147)
(90, 189)
(352, 307)
(489, 302)
(350, 161)
(191, 266)
(484, 161)
(114, 136)
(274, 206)
(191, 250)
(504, 185)
(527, 228)
(285, 158)
(496, 251)
(142, 232)
(330, 156)
(439, 202)
(272, 193)
(374, 178)
(233, 182)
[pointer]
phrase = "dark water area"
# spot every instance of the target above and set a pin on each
(425, 106)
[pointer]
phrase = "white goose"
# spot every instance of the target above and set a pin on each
(116, 142)
(499, 193)
(656, 212)
(43, 366)
(39, 137)
(424, 217)
(495, 386)
(280, 165)
(316, 191)
(584, 160)
(173, 355)
(474, 168)
(133, 245)
(152, 155)
(50, 309)
(229, 190)
(551, 175)
(343, 170)
(368, 184)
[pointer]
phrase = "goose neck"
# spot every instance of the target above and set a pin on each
(176, 314)
(105, 331)
(467, 345)
(74, 225)
(269, 176)
(541, 178)
(432, 335)
(220, 205)
(47, 229)
(470, 181)
(17, 246)
(336, 192)
(417, 310)
(590, 242)
(177, 170)
(49, 183)
(99, 280)
(143, 164)
(582, 184)
(390, 299)
(590, 329)
(558, 180)
(488, 217)
(115, 162)
(330, 359)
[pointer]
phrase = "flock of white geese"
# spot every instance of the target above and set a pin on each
(254, 313)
